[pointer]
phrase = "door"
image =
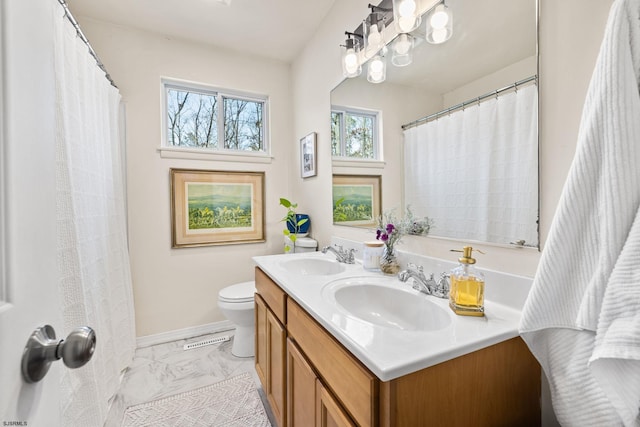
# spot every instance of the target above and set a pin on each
(301, 388)
(261, 340)
(276, 376)
(28, 279)
(329, 413)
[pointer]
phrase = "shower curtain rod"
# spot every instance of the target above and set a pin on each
(69, 16)
(469, 102)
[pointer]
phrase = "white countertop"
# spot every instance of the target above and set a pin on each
(388, 352)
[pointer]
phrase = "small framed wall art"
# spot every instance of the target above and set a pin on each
(308, 153)
(216, 207)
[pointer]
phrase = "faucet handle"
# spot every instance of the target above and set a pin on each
(350, 255)
(413, 266)
(443, 283)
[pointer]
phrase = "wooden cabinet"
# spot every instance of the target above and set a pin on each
(304, 369)
(309, 402)
(301, 389)
(355, 387)
(270, 343)
(261, 339)
(329, 413)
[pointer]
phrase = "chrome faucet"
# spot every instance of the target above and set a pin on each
(423, 284)
(344, 256)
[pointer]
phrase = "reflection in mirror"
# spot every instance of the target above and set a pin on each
(494, 45)
(356, 200)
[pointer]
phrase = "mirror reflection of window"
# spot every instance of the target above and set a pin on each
(354, 133)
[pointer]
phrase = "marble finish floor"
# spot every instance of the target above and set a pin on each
(166, 369)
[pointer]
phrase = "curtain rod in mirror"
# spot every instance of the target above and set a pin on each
(475, 100)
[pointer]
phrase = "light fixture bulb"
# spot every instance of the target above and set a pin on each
(374, 38)
(440, 17)
(402, 50)
(350, 58)
(376, 71)
(405, 15)
(376, 65)
(407, 8)
(439, 24)
(402, 45)
(406, 23)
(439, 35)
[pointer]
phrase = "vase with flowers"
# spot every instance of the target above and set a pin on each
(390, 231)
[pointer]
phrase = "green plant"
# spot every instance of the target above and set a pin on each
(293, 222)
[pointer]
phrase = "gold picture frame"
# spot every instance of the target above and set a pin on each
(356, 200)
(216, 207)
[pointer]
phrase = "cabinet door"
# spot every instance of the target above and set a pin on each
(329, 413)
(301, 389)
(261, 340)
(276, 373)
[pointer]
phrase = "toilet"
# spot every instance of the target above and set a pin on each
(236, 302)
(303, 244)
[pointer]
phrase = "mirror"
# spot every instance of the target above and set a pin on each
(494, 45)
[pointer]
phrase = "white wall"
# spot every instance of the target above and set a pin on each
(177, 288)
(570, 36)
(499, 79)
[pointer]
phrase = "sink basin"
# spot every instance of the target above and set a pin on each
(313, 266)
(376, 301)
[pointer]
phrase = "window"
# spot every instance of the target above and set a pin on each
(354, 133)
(204, 118)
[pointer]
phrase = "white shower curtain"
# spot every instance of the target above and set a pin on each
(95, 282)
(474, 171)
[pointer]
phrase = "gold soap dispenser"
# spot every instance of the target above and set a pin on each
(466, 295)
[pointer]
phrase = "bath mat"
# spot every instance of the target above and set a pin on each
(233, 402)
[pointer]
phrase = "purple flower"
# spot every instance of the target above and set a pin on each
(384, 237)
(390, 228)
(378, 232)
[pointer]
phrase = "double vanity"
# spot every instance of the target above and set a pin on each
(338, 345)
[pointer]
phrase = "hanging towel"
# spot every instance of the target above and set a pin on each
(582, 317)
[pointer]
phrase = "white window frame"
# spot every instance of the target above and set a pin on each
(377, 132)
(224, 154)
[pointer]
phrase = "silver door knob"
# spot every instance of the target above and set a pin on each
(42, 348)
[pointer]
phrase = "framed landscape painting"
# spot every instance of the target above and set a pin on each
(356, 200)
(216, 207)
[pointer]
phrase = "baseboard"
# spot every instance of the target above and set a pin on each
(180, 334)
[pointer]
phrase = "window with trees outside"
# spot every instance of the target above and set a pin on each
(354, 133)
(198, 117)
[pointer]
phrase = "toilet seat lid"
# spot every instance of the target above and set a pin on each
(306, 242)
(240, 292)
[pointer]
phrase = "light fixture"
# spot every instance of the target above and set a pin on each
(405, 15)
(377, 69)
(402, 50)
(372, 29)
(439, 24)
(351, 56)
(366, 43)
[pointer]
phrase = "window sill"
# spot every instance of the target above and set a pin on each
(354, 163)
(221, 156)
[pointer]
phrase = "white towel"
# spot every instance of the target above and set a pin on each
(582, 317)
